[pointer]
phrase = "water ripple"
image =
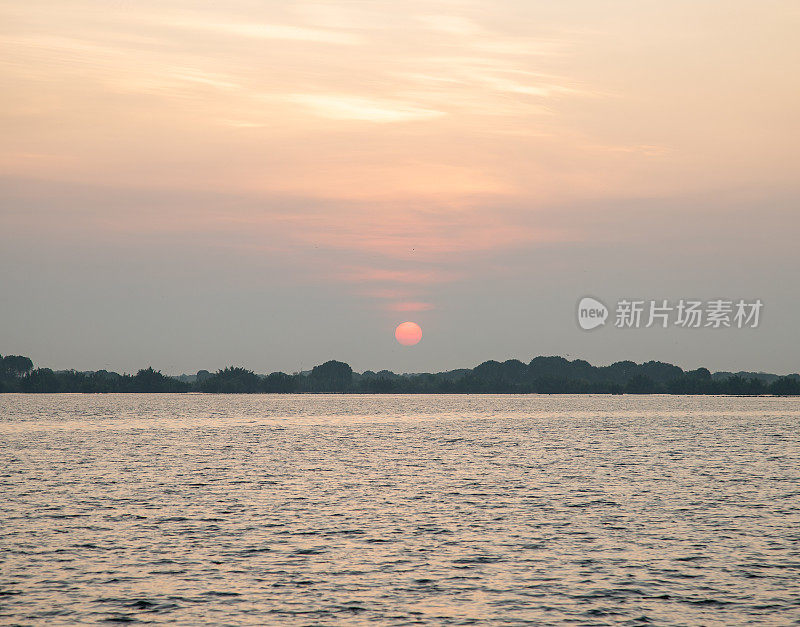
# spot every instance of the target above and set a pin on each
(415, 510)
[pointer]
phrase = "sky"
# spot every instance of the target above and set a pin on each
(198, 184)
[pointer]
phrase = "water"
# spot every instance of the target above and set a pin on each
(399, 510)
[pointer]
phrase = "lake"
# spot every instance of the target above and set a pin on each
(399, 510)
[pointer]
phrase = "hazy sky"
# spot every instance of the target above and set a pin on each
(273, 184)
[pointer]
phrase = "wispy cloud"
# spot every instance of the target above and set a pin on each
(366, 275)
(450, 24)
(402, 135)
(256, 30)
(413, 306)
(339, 107)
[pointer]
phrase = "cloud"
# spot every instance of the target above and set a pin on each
(403, 135)
(450, 24)
(366, 274)
(413, 306)
(268, 31)
(341, 107)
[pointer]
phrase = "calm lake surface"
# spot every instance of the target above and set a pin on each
(399, 510)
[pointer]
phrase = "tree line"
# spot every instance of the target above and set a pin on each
(542, 375)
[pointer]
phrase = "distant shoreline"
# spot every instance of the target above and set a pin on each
(604, 394)
(542, 375)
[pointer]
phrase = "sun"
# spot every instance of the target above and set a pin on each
(408, 333)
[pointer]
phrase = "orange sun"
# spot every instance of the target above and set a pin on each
(408, 333)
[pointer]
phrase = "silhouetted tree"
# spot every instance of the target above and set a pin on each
(379, 385)
(15, 365)
(332, 376)
(545, 375)
(149, 380)
(41, 380)
(232, 380)
(280, 382)
(659, 372)
(785, 386)
(641, 384)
